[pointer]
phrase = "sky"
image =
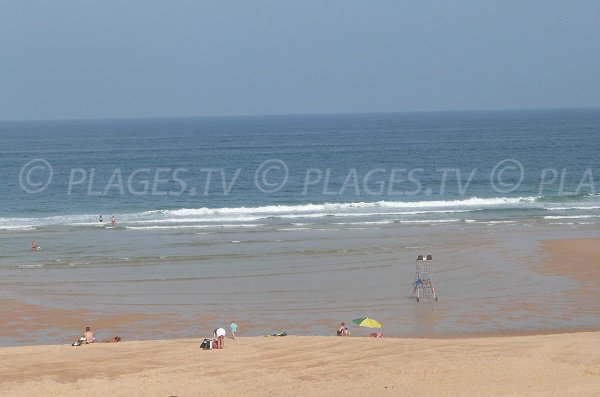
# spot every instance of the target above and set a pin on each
(148, 58)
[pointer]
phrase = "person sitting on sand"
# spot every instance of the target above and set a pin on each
(342, 330)
(89, 336)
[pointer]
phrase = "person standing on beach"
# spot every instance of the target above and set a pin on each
(233, 327)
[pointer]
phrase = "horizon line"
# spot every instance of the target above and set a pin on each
(148, 117)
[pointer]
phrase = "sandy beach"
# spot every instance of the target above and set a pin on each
(559, 364)
(378, 199)
(544, 365)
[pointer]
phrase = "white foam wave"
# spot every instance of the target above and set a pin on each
(365, 223)
(572, 208)
(253, 214)
(432, 221)
(488, 222)
(571, 216)
(570, 223)
(247, 225)
(361, 214)
(207, 220)
(335, 207)
(18, 228)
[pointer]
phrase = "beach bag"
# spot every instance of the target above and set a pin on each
(206, 344)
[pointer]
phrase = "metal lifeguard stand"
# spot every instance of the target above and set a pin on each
(423, 285)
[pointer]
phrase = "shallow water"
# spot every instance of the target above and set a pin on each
(303, 281)
(298, 222)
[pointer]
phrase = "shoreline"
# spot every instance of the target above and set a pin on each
(29, 324)
(539, 365)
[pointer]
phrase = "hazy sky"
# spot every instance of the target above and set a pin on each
(125, 58)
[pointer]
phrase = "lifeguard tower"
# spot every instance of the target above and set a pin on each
(423, 285)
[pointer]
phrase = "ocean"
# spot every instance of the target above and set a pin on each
(299, 220)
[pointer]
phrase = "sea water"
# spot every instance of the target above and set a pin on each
(290, 217)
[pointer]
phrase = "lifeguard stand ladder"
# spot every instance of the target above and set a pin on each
(423, 285)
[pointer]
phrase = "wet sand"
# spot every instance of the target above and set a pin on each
(490, 282)
(543, 365)
(577, 259)
(566, 364)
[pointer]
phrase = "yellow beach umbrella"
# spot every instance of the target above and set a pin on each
(366, 322)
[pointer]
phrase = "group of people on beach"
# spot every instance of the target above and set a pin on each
(218, 336)
(88, 337)
(220, 333)
(218, 341)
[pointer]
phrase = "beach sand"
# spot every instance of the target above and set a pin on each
(542, 365)
(560, 364)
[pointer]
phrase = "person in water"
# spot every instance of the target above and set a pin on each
(113, 221)
(100, 219)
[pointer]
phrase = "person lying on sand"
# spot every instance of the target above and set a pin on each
(115, 339)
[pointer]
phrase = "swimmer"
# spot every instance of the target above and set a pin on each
(100, 219)
(35, 246)
(113, 221)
